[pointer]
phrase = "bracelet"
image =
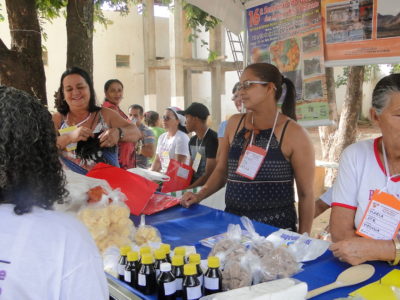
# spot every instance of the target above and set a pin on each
(121, 133)
(397, 257)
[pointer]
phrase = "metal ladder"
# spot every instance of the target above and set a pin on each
(236, 43)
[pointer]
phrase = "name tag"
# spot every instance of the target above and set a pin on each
(196, 162)
(381, 220)
(251, 162)
(72, 146)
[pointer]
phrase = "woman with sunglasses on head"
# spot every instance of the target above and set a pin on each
(173, 144)
(262, 153)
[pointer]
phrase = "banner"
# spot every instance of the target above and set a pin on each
(360, 32)
(288, 34)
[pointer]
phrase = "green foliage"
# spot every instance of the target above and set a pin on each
(50, 9)
(395, 68)
(212, 55)
(1, 14)
(370, 72)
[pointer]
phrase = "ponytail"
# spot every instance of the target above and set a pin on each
(289, 102)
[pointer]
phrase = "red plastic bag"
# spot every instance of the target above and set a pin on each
(180, 176)
(159, 202)
(137, 189)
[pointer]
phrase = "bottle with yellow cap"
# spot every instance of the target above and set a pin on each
(177, 271)
(181, 251)
(131, 268)
(191, 284)
(143, 250)
(160, 257)
(147, 283)
(167, 250)
(212, 277)
(122, 261)
(195, 259)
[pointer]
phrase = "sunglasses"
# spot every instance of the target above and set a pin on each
(248, 83)
(166, 118)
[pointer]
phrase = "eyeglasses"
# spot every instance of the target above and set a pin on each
(248, 83)
(166, 118)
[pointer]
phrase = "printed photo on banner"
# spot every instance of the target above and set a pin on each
(359, 32)
(288, 34)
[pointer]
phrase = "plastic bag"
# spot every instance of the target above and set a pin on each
(78, 187)
(302, 247)
(108, 220)
(230, 247)
(237, 270)
(259, 245)
(146, 234)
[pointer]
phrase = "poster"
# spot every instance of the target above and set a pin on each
(359, 32)
(288, 34)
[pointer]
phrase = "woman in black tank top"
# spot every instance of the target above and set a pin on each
(266, 192)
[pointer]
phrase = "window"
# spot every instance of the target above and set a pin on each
(122, 61)
(45, 58)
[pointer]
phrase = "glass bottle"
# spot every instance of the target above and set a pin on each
(191, 284)
(212, 277)
(167, 250)
(166, 283)
(177, 271)
(147, 283)
(160, 257)
(131, 270)
(122, 261)
(195, 259)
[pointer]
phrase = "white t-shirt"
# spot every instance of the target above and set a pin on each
(47, 255)
(361, 172)
(169, 147)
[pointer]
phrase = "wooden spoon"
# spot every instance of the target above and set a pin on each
(351, 276)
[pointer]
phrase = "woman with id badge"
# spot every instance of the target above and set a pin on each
(366, 196)
(262, 153)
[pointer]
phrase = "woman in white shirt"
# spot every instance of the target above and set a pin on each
(173, 144)
(43, 254)
(366, 167)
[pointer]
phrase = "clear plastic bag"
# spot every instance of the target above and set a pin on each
(146, 234)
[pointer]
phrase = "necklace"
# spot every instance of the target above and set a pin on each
(81, 122)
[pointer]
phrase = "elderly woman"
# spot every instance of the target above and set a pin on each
(366, 167)
(173, 144)
(88, 134)
(43, 254)
(262, 153)
(114, 91)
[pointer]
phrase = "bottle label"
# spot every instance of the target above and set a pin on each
(193, 292)
(142, 280)
(211, 283)
(170, 288)
(121, 269)
(179, 282)
(127, 276)
(201, 279)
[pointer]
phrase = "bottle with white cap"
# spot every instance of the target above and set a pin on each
(166, 283)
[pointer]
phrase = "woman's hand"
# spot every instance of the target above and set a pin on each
(357, 250)
(189, 198)
(80, 134)
(109, 138)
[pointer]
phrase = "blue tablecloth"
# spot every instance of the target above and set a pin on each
(180, 226)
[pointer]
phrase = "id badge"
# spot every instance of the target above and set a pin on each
(382, 218)
(251, 162)
(72, 146)
(196, 162)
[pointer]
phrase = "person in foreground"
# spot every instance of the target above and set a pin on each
(261, 185)
(43, 254)
(366, 167)
(114, 92)
(88, 133)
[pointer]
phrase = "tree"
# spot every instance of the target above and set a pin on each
(80, 34)
(347, 127)
(21, 66)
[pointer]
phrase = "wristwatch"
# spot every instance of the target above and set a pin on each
(121, 133)
(397, 257)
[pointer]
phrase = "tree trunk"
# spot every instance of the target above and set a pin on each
(327, 133)
(21, 66)
(80, 34)
(347, 129)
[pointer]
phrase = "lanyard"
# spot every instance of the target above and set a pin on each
(197, 146)
(83, 121)
(388, 177)
(272, 132)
